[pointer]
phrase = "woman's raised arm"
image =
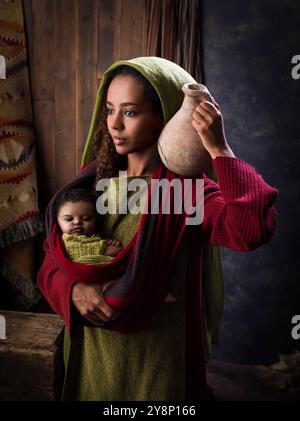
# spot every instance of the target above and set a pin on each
(238, 210)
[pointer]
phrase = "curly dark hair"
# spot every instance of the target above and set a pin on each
(109, 161)
(73, 195)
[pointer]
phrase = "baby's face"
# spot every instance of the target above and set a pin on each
(77, 218)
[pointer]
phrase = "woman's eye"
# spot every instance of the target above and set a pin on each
(130, 113)
(109, 110)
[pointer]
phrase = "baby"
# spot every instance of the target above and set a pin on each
(77, 219)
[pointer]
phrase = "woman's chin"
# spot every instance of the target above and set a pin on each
(122, 150)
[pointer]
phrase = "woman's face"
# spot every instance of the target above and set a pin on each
(132, 124)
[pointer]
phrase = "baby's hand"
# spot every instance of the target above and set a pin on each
(114, 243)
(113, 248)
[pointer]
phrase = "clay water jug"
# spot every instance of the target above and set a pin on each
(179, 145)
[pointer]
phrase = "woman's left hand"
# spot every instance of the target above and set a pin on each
(208, 122)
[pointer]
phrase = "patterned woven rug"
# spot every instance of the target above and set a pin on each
(19, 214)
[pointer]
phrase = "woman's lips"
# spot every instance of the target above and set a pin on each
(119, 141)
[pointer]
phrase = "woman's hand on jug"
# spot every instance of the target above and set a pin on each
(208, 122)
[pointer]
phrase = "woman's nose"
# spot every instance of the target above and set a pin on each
(117, 123)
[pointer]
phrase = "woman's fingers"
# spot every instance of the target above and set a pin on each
(206, 114)
(201, 116)
(104, 309)
(95, 320)
(90, 310)
(89, 301)
(207, 108)
(216, 104)
(98, 317)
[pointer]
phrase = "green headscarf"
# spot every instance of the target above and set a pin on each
(167, 78)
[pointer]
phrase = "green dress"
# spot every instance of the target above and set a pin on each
(106, 365)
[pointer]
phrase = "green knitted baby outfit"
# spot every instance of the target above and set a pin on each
(84, 249)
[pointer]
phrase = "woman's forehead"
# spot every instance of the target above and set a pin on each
(125, 90)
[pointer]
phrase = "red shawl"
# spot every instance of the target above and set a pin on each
(238, 214)
(137, 290)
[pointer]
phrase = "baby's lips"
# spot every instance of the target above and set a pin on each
(78, 231)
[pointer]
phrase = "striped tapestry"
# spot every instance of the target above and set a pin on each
(19, 214)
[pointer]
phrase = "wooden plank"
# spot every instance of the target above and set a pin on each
(72, 43)
(131, 28)
(108, 29)
(86, 78)
(42, 70)
(21, 365)
(45, 144)
(14, 393)
(28, 24)
(25, 328)
(65, 91)
(43, 65)
(31, 361)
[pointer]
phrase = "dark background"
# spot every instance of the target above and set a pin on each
(247, 51)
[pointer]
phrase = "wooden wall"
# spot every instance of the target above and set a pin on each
(70, 44)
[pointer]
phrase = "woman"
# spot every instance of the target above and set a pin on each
(127, 341)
